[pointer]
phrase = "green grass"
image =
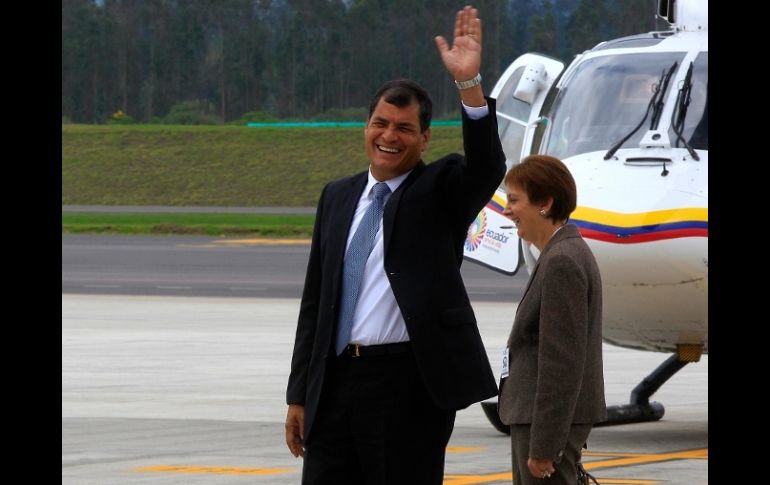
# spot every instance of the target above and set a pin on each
(214, 165)
(211, 224)
(226, 166)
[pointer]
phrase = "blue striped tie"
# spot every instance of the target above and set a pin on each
(355, 261)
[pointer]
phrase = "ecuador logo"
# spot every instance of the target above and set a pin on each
(476, 232)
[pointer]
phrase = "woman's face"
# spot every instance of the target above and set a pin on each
(523, 213)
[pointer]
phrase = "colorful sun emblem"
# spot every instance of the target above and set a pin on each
(476, 232)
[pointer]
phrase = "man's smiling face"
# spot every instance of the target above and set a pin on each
(393, 139)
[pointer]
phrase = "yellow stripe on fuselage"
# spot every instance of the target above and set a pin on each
(619, 219)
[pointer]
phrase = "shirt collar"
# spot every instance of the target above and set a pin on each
(393, 183)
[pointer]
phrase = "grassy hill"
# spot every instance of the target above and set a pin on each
(213, 165)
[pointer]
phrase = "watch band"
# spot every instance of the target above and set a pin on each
(469, 83)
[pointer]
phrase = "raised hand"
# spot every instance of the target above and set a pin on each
(463, 60)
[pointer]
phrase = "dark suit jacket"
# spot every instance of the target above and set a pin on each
(425, 222)
(556, 376)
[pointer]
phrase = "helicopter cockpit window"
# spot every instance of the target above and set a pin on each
(604, 100)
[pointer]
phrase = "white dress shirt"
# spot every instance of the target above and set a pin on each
(377, 319)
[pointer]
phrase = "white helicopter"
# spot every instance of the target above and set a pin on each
(630, 120)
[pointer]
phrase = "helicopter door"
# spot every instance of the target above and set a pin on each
(492, 241)
(520, 93)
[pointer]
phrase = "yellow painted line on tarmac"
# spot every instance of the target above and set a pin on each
(616, 460)
(700, 453)
(647, 458)
(262, 242)
(463, 449)
(508, 477)
(609, 453)
(627, 481)
(215, 470)
(249, 242)
(474, 479)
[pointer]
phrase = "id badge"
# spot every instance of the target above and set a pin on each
(504, 367)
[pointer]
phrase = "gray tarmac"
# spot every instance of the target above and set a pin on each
(208, 266)
(171, 390)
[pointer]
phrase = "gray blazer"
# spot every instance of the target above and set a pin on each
(556, 377)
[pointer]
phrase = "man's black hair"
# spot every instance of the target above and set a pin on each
(401, 93)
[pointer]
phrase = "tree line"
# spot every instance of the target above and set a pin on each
(216, 61)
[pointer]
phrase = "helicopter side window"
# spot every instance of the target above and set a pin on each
(513, 115)
(509, 105)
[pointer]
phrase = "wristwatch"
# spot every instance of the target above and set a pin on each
(469, 83)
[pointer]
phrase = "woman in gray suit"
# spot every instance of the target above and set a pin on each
(553, 389)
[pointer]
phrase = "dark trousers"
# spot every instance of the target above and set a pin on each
(565, 470)
(376, 424)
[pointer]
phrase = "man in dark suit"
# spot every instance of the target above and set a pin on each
(387, 347)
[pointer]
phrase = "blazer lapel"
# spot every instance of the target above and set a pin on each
(531, 278)
(391, 208)
(339, 225)
(569, 230)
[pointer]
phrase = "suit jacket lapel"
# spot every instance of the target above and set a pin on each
(391, 208)
(339, 225)
(569, 230)
(531, 278)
